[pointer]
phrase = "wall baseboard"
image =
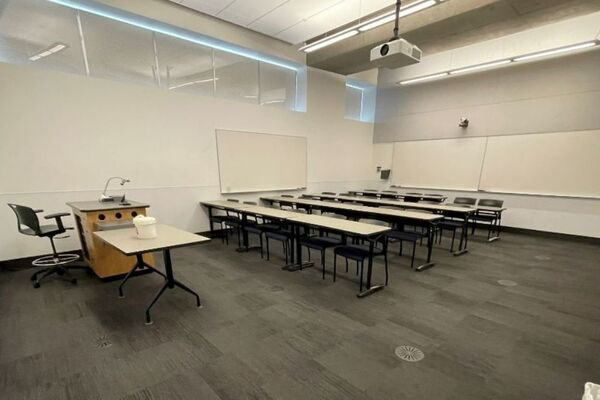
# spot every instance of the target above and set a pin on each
(549, 235)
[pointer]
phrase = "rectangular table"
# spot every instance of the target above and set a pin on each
(126, 241)
(296, 220)
(354, 210)
(369, 232)
(389, 195)
(455, 211)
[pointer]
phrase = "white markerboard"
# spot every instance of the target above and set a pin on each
(453, 164)
(560, 164)
(254, 162)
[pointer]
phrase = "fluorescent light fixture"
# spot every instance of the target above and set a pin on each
(55, 48)
(192, 83)
(355, 87)
(139, 21)
(481, 66)
(423, 78)
(556, 51)
(329, 41)
(404, 11)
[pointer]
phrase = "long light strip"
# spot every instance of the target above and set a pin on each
(481, 66)
(332, 40)
(556, 51)
(404, 11)
(115, 14)
(527, 57)
(55, 48)
(423, 78)
(374, 23)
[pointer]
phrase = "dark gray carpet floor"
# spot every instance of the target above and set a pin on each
(268, 334)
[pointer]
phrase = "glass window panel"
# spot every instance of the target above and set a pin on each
(353, 102)
(185, 66)
(277, 86)
(119, 51)
(29, 28)
(236, 77)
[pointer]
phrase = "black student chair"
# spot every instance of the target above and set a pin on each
(487, 217)
(322, 241)
(29, 224)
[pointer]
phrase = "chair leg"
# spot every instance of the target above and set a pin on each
(268, 254)
(356, 268)
(385, 260)
(412, 261)
(260, 239)
(400, 252)
(284, 247)
(361, 274)
(334, 265)
(452, 244)
(323, 262)
(346, 264)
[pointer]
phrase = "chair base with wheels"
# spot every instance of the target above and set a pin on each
(56, 263)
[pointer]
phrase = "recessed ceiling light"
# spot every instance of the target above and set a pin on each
(411, 9)
(330, 41)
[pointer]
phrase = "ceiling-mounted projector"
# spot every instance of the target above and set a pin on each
(395, 54)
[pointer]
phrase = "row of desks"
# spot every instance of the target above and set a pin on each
(452, 210)
(369, 232)
(395, 195)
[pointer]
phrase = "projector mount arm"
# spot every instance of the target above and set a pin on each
(396, 33)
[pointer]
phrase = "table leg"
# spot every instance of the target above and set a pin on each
(170, 283)
(245, 243)
(297, 265)
(462, 246)
(370, 289)
(138, 265)
(428, 263)
(498, 226)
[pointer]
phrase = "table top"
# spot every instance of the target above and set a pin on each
(268, 212)
(225, 204)
(408, 204)
(361, 208)
(343, 225)
(95, 205)
(126, 241)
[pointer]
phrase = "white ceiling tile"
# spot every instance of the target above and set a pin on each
(210, 7)
(243, 12)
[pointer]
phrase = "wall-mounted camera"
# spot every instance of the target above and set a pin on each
(464, 122)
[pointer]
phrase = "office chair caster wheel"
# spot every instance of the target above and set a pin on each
(74, 281)
(36, 285)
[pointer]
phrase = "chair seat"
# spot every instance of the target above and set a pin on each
(403, 235)
(260, 228)
(356, 251)
(280, 235)
(45, 230)
(320, 242)
(451, 224)
(484, 217)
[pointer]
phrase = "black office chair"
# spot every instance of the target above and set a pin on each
(232, 220)
(29, 224)
(331, 193)
(322, 241)
(413, 197)
(360, 252)
(467, 201)
(489, 217)
(259, 226)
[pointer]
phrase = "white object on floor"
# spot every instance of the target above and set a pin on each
(145, 227)
(592, 391)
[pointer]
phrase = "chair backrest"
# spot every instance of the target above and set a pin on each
(389, 191)
(233, 200)
(287, 195)
(371, 190)
(490, 203)
(26, 217)
(298, 210)
(415, 194)
(333, 193)
(252, 203)
(471, 201)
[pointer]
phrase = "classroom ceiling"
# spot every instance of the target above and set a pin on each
(452, 24)
(292, 21)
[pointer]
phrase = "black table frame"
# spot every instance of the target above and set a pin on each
(170, 281)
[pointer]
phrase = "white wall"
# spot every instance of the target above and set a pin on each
(63, 135)
(544, 213)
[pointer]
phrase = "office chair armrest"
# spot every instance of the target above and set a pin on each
(57, 217)
(39, 210)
